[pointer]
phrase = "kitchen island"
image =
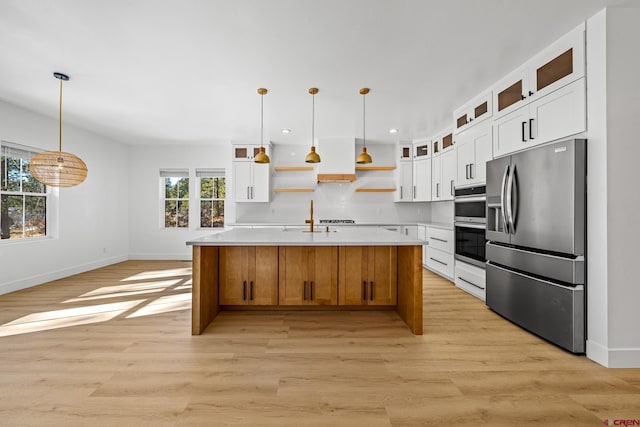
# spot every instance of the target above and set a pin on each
(293, 269)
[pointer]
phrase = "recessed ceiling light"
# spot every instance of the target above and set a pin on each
(394, 130)
(286, 130)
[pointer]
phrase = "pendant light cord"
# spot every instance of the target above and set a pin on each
(364, 115)
(60, 123)
(261, 119)
(313, 119)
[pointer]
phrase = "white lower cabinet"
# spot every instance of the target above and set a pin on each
(438, 256)
(441, 262)
(471, 279)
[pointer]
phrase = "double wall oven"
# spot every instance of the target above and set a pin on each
(470, 223)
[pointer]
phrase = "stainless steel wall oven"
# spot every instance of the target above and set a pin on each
(470, 225)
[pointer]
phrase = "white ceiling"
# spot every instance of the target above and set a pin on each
(187, 71)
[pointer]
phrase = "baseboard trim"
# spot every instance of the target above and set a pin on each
(160, 256)
(613, 357)
(39, 279)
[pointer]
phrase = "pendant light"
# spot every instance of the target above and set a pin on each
(57, 168)
(364, 157)
(262, 157)
(313, 157)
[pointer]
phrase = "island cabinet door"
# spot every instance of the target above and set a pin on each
(352, 284)
(308, 275)
(323, 275)
(234, 274)
(248, 275)
(382, 262)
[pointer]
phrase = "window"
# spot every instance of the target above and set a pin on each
(212, 192)
(176, 198)
(23, 200)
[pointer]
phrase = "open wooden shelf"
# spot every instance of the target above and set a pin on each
(375, 168)
(294, 190)
(375, 190)
(293, 168)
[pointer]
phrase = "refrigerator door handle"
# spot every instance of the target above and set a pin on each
(510, 200)
(514, 208)
(502, 201)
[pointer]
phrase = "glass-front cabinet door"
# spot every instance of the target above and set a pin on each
(421, 149)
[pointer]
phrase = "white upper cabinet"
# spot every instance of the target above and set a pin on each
(422, 171)
(474, 148)
(247, 152)
(448, 175)
(404, 182)
(558, 65)
(473, 112)
(557, 115)
(405, 151)
(251, 181)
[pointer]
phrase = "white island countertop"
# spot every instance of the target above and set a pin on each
(346, 236)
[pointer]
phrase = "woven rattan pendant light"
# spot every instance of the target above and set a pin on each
(58, 168)
(262, 157)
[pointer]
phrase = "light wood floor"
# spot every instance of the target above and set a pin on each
(113, 347)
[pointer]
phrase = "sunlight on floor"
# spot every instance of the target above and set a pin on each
(159, 274)
(177, 284)
(164, 305)
(67, 317)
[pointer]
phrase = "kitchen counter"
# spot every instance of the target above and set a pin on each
(337, 236)
(443, 225)
(352, 268)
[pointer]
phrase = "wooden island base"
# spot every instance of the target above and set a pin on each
(307, 278)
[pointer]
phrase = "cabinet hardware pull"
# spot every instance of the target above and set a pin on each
(311, 291)
(530, 93)
(471, 170)
(414, 191)
(371, 291)
(523, 97)
(401, 187)
(244, 290)
(466, 171)
(251, 290)
(437, 189)
(472, 284)
(523, 125)
(304, 290)
(364, 290)
(452, 187)
(248, 193)
(438, 261)
(439, 240)
(530, 129)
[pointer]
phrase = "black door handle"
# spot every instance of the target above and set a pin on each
(244, 290)
(530, 129)
(311, 290)
(364, 290)
(304, 290)
(371, 291)
(523, 125)
(251, 290)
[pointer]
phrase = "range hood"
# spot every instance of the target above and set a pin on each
(338, 160)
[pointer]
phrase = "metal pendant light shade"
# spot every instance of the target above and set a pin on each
(58, 168)
(262, 157)
(313, 157)
(364, 157)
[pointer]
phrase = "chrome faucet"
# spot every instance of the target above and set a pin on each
(310, 221)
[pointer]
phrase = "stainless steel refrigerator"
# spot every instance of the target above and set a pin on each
(536, 241)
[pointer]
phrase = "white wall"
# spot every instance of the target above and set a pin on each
(613, 106)
(92, 219)
(147, 238)
(623, 175)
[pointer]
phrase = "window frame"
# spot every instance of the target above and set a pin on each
(26, 153)
(210, 173)
(174, 173)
